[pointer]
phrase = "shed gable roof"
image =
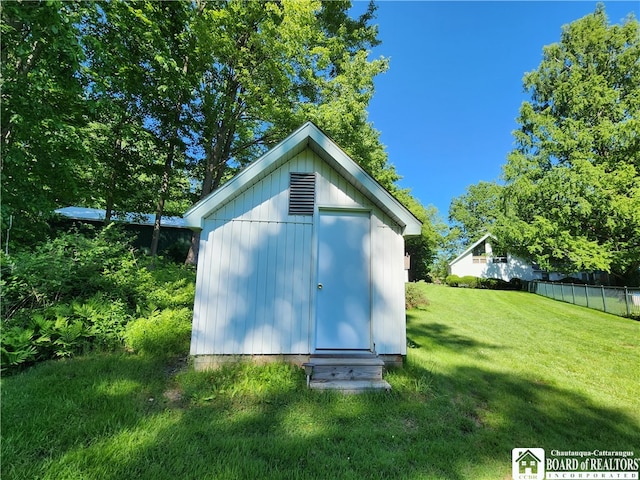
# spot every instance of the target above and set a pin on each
(307, 136)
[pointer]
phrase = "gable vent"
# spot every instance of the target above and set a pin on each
(302, 193)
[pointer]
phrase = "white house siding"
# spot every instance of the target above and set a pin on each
(514, 268)
(256, 269)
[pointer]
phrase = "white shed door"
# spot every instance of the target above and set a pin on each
(343, 304)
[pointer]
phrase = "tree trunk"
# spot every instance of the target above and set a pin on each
(166, 174)
(110, 194)
(217, 153)
(194, 249)
(164, 188)
(216, 159)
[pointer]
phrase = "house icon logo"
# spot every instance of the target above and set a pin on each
(528, 463)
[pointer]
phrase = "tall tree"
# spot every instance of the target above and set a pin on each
(475, 212)
(268, 67)
(122, 152)
(132, 95)
(573, 181)
(42, 110)
(169, 85)
(423, 249)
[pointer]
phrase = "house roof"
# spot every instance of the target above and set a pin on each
(527, 455)
(98, 215)
(307, 136)
(473, 245)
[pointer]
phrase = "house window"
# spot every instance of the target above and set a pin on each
(480, 250)
(302, 193)
(499, 260)
(479, 259)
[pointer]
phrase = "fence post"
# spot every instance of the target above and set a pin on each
(573, 294)
(626, 301)
(604, 299)
(586, 294)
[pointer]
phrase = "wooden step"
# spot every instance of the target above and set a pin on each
(349, 373)
(346, 360)
(350, 386)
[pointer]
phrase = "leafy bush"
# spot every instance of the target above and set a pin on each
(104, 318)
(469, 282)
(162, 333)
(494, 284)
(17, 347)
(69, 267)
(78, 293)
(466, 281)
(516, 284)
(452, 280)
(488, 283)
(574, 280)
(43, 339)
(178, 287)
(415, 296)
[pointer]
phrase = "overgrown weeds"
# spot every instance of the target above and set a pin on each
(415, 296)
(79, 292)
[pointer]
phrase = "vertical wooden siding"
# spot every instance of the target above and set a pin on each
(387, 276)
(256, 269)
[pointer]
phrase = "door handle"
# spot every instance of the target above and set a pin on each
(319, 286)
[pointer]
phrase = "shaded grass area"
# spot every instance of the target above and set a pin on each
(487, 371)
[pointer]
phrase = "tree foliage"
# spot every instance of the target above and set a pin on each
(573, 182)
(265, 69)
(475, 212)
(133, 86)
(423, 249)
(140, 106)
(42, 110)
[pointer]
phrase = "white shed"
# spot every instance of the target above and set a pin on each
(301, 253)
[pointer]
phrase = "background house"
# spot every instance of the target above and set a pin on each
(175, 237)
(480, 260)
(301, 253)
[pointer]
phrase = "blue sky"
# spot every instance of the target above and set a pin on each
(449, 101)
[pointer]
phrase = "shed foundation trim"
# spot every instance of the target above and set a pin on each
(211, 362)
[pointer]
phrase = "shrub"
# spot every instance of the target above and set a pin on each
(488, 283)
(41, 340)
(162, 333)
(78, 293)
(574, 280)
(415, 296)
(104, 318)
(516, 283)
(177, 287)
(69, 267)
(466, 281)
(469, 282)
(17, 347)
(494, 284)
(452, 280)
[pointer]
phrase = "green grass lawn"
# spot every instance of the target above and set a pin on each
(487, 371)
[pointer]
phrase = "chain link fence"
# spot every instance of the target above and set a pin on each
(622, 301)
